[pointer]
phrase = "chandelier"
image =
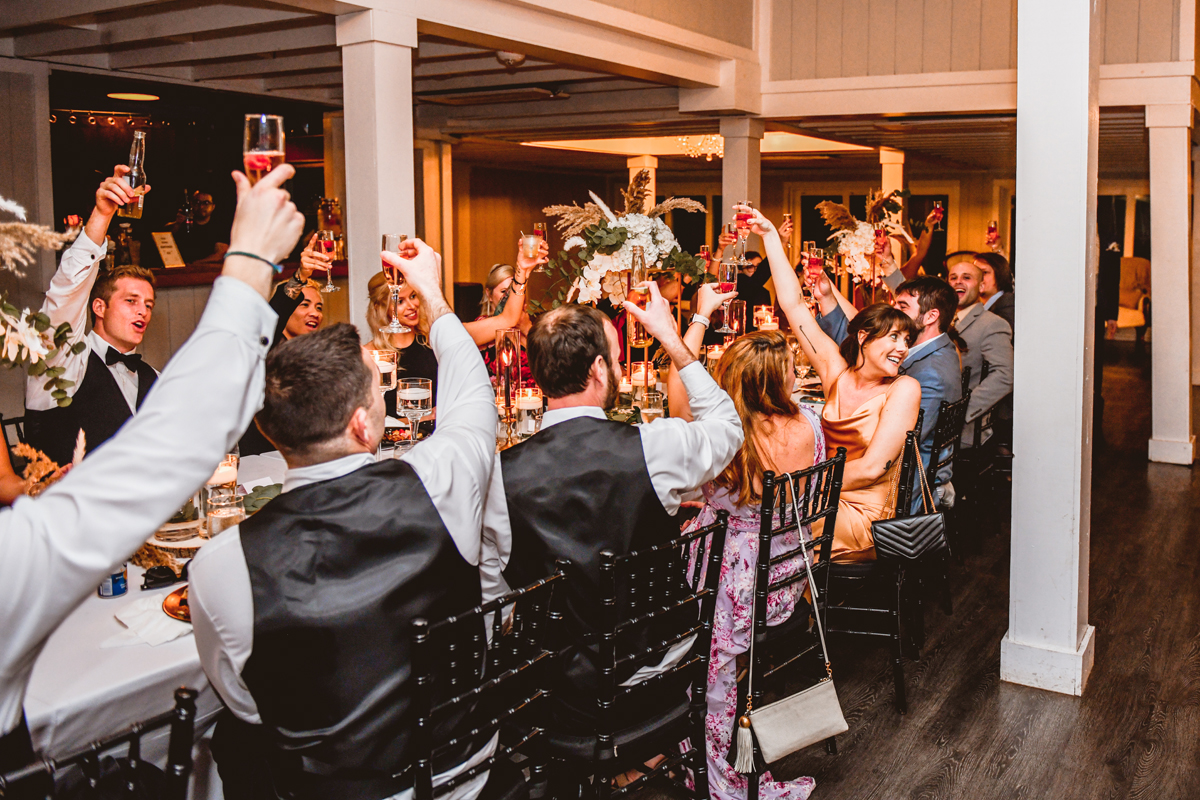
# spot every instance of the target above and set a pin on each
(708, 145)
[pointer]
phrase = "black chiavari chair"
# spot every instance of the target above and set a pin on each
(652, 600)
(471, 688)
(791, 503)
(127, 776)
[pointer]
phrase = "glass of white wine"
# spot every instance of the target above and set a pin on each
(414, 399)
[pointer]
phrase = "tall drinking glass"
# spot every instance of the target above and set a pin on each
(735, 317)
(224, 512)
(637, 293)
(262, 145)
(327, 241)
(727, 272)
(937, 208)
(391, 244)
(414, 399)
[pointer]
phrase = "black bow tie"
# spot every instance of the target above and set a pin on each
(130, 360)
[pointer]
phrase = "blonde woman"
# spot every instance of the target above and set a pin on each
(504, 307)
(757, 373)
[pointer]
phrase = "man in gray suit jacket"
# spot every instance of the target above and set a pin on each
(988, 338)
(933, 359)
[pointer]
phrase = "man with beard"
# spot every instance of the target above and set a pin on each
(584, 484)
(989, 339)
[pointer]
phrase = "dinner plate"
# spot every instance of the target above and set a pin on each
(175, 605)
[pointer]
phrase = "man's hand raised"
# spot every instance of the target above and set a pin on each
(659, 322)
(266, 225)
(421, 267)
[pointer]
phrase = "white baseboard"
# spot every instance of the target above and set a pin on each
(1062, 671)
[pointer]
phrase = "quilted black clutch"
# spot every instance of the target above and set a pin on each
(910, 538)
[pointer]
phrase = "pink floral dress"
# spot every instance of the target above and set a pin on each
(732, 630)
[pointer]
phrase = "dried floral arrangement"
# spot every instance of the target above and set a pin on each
(26, 339)
(40, 471)
(855, 239)
(599, 246)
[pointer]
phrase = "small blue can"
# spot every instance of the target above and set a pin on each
(116, 584)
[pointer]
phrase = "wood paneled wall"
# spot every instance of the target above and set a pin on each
(728, 20)
(854, 38)
(493, 206)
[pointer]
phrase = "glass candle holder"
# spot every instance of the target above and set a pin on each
(762, 314)
(652, 406)
(529, 412)
(736, 320)
(625, 393)
(643, 376)
(508, 366)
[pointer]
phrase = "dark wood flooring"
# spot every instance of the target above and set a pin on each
(1136, 731)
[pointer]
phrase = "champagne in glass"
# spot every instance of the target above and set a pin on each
(136, 177)
(223, 514)
(993, 233)
(940, 212)
(391, 244)
(726, 282)
(638, 293)
(262, 145)
(327, 243)
(539, 229)
(651, 407)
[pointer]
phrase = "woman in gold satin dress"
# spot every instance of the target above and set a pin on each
(869, 406)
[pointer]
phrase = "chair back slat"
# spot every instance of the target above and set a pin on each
(947, 435)
(966, 380)
(471, 686)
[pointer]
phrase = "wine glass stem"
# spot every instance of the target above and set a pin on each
(395, 302)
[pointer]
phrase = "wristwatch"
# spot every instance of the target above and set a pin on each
(700, 318)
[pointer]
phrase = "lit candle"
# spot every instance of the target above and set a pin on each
(770, 324)
(226, 473)
(414, 394)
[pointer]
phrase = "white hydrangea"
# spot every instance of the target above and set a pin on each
(855, 247)
(602, 277)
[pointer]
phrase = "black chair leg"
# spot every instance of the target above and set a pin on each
(947, 598)
(897, 650)
(831, 746)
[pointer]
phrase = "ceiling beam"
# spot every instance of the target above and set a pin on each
(428, 50)
(650, 104)
(256, 67)
(40, 12)
(161, 25)
(228, 47)
(329, 79)
(486, 63)
(520, 78)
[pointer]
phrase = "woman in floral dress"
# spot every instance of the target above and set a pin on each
(781, 436)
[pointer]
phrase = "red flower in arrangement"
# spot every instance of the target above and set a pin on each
(257, 161)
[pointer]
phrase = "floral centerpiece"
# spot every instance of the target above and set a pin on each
(598, 251)
(26, 338)
(855, 239)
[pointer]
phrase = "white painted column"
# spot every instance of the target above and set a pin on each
(380, 182)
(1049, 643)
(1171, 439)
(741, 168)
(1195, 272)
(891, 164)
(638, 163)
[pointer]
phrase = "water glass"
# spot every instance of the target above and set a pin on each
(224, 511)
(414, 399)
(651, 406)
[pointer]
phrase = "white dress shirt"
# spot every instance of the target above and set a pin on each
(991, 301)
(680, 457)
(56, 548)
(67, 301)
(454, 466)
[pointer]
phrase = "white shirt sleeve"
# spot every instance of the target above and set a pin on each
(455, 463)
(67, 301)
(682, 456)
(222, 605)
(55, 549)
(497, 538)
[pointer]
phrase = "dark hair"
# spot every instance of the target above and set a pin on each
(563, 345)
(106, 283)
(752, 254)
(877, 321)
(934, 293)
(999, 265)
(314, 385)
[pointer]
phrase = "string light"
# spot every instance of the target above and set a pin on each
(708, 145)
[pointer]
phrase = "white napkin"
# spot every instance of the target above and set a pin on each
(145, 622)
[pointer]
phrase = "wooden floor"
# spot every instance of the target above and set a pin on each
(1136, 731)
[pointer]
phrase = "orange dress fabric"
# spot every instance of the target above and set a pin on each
(857, 508)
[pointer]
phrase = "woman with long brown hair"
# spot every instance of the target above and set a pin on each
(757, 372)
(869, 405)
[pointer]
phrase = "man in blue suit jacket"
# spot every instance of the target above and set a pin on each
(933, 359)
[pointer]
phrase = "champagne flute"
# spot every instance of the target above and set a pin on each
(414, 399)
(994, 231)
(540, 230)
(262, 145)
(786, 219)
(727, 272)
(327, 243)
(937, 209)
(391, 244)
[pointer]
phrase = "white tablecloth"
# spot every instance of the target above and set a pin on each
(80, 693)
